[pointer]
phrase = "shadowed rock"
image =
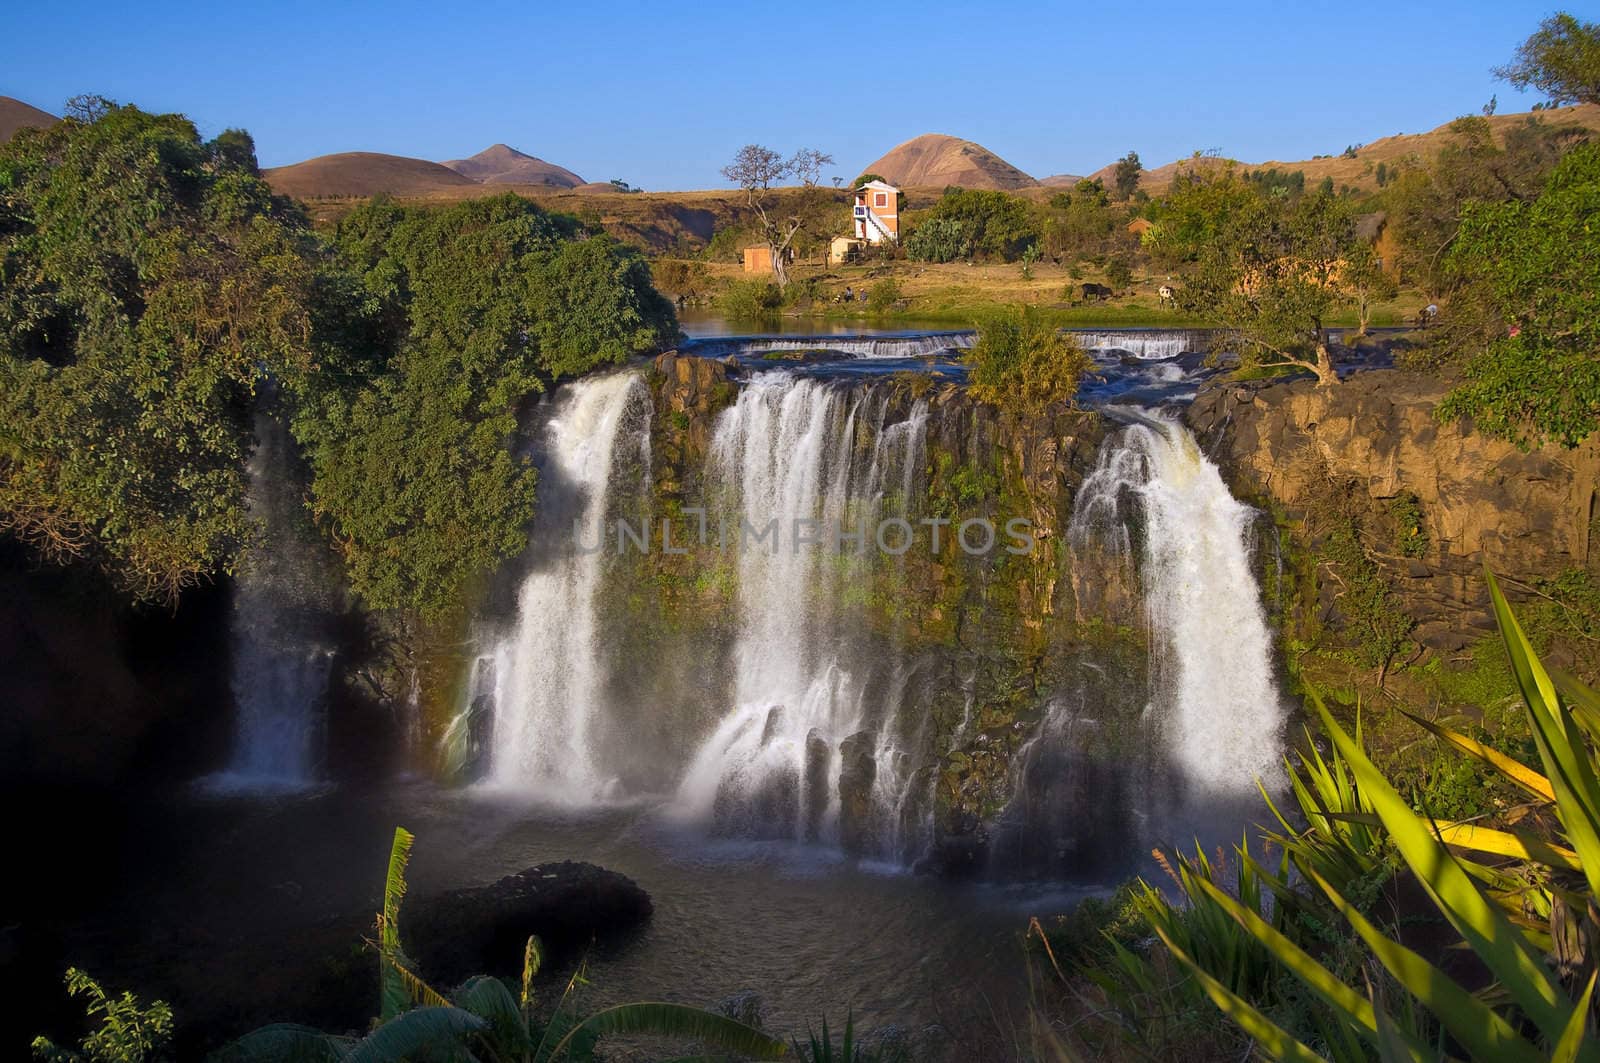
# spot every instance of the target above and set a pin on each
(482, 930)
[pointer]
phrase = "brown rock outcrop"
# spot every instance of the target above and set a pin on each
(1483, 502)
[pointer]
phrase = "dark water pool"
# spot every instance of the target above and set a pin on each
(207, 902)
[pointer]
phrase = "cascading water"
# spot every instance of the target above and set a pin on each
(546, 674)
(1210, 647)
(281, 655)
(1143, 343)
(814, 747)
(852, 346)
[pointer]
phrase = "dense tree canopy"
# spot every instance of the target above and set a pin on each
(1561, 60)
(1537, 377)
(1267, 271)
(149, 281)
(1023, 363)
(153, 290)
(972, 223)
(468, 311)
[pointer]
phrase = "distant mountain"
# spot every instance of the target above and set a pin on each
(1360, 171)
(935, 160)
(15, 115)
(503, 165)
(363, 173)
(1060, 180)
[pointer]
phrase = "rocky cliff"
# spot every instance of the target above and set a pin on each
(1433, 503)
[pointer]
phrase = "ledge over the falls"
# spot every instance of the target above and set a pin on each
(1526, 514)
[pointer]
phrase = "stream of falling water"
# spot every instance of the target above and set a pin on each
(281, 655)
(805, 752)
(1211, 648)
(546, 674)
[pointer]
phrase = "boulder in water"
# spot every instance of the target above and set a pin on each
(858, 770)
(482, 929)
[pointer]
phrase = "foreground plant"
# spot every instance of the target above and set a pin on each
(1522, 900)
(484, 1019)
(127, 1033)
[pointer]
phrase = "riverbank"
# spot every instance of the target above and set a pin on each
(904, 294)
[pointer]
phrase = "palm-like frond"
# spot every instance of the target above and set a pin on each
(677, 1020)
(421, 1033)
(284, 1042)
(394, 993)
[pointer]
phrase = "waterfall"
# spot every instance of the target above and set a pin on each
(546, 674)
(807, 751)
(281, 652)
(1211, 651)
(914, 346)
(1142, 343)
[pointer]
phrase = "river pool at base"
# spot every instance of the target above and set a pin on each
(216, 882)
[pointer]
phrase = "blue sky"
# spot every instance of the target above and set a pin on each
(661, 95)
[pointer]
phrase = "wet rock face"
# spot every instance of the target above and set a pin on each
(1482, 501)
(858, 770)
(482, 930)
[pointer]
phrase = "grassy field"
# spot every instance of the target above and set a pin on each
(957, 295)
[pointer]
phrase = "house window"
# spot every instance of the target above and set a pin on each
(880, 199)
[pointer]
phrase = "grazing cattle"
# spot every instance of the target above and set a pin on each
(1097, 291)
(1168, 293)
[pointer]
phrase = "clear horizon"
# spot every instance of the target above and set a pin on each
(663, 99)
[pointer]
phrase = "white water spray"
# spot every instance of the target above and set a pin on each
(547, 673)
(1210, 647)
(802, 739)
(281, 658)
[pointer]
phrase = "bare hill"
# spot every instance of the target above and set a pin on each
(1361, 171)
(15, 115)
(363, 173)
(1059, 180)
(504, 165)
(934, 160)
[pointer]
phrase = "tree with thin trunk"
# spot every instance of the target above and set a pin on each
(1561, 60)
(1267, 272)
(756, 169)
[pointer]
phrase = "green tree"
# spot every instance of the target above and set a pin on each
(1426, 202)
(997, 226)
(1023, 363)
(756, 169)
(940, 240)
(467, 311)
(1535, 374)
(1264, 270)
(1368, 282)
(149, 283)
(1561, 60)
(127, 1031)
(1125, 178)
(1082, 223)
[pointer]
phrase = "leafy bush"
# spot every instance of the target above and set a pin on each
(1535, 378)
(1119, 273)
(1520, 899)
(884, 294)
(149, 283)
(128, 1032)
(1023, 363)
(469, 310)
(679, 277)
(940, 240)
(751, 300)
(989, 224)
